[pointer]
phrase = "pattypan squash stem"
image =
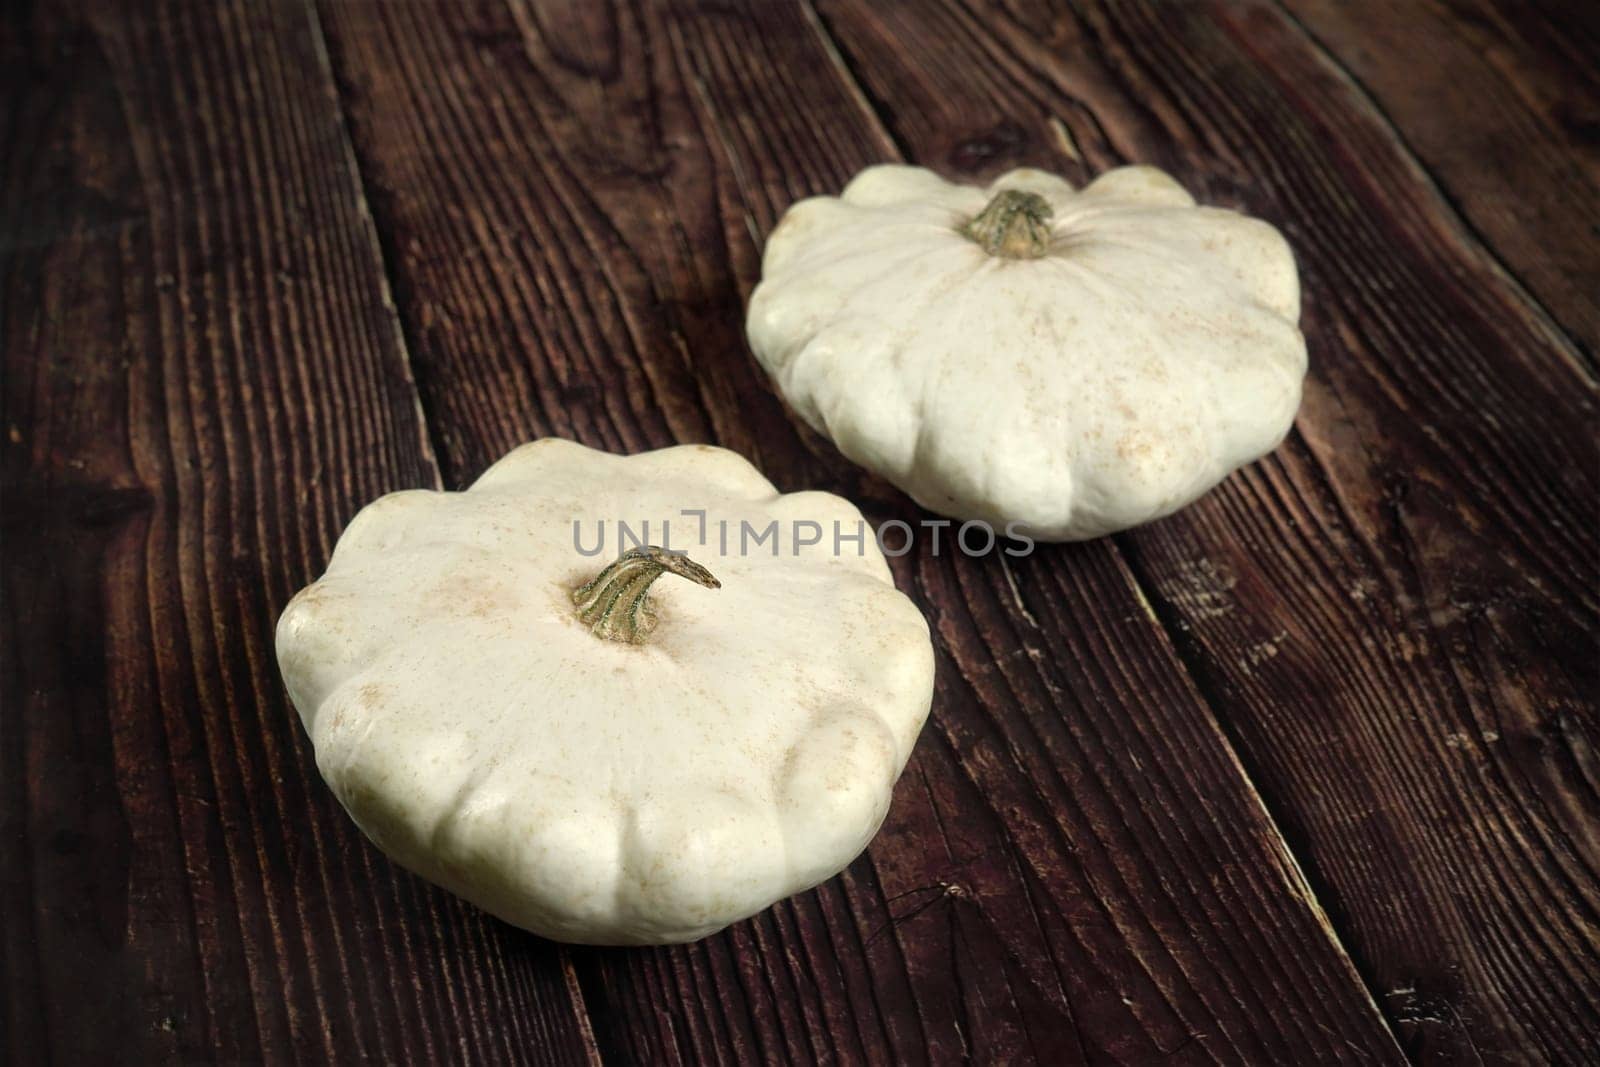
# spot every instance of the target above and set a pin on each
(616, 604)
(1014, 225)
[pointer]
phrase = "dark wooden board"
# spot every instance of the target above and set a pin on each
(1075, 869)
(203, 380)
(1394, 615)
(1372, 655)
(1500, 100)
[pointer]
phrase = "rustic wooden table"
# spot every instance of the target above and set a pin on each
(1306, 773)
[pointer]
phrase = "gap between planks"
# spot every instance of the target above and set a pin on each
(1293, 872)
(1449, 209)
(431, 443)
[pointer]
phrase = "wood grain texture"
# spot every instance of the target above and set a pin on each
(1501, 102)
(1392, 621)
(203, 380)
(1075, 868)
(1395, 614)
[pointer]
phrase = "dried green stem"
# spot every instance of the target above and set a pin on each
(616, 602)
(1014, 225)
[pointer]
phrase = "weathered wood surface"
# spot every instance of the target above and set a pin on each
(1394, 616)
(1500, 101)
(203, 380)
(1369, 658)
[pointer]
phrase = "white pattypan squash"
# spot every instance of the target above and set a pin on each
(1075, 361)
(586, 754)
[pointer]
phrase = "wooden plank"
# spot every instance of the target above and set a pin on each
(1075, 868)
(1500, 102)
(1395, 613)
(204, 379)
